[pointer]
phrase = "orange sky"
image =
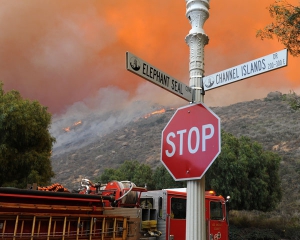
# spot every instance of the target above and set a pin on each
(63, 52)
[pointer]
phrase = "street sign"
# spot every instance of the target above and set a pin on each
(158, 77)
(260, 65)
(191, 141)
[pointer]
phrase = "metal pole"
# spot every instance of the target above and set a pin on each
(197, 13)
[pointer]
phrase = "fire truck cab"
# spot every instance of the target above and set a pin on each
(168, 207)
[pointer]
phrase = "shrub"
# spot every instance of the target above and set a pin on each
(293, 100)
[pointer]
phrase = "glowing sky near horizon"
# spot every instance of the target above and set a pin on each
(64, 52)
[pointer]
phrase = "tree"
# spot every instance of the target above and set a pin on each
(141, 175)
(247, 173)
(286, 26)
(243, 170)
(163, 179)
(25, 141)
(134, 171)
(293, 100)
(109, 174)
(144, 176)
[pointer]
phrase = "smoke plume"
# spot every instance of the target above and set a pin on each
(70, 55)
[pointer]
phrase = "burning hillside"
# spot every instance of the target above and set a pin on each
(155, 112)
(73, 126)
(161, 111)
(81, 125)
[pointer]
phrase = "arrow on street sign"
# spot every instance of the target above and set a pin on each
(158, 77)
(249, 69)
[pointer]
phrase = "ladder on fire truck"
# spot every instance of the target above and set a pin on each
(62, 226)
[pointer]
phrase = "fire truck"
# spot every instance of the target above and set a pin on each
(118, 210)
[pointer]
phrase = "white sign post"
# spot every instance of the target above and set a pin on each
(158, 77)
(197, 12)
(249, 69)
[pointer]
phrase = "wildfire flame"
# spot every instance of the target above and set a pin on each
(155, 112)
(67, 129)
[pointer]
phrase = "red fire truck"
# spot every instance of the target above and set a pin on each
(118, 211)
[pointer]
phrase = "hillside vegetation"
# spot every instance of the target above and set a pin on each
(272, 121)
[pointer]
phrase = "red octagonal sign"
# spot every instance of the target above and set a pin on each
(191, 142)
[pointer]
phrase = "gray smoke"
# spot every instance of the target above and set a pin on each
(98, 116)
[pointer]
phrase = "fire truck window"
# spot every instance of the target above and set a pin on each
(178, 208)
(216, 212)
(160, 207)
(147, 203)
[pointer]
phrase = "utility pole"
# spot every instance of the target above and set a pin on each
(197, 13)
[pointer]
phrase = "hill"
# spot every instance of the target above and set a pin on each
(270, 121)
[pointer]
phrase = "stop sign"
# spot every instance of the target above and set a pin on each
(191, 142)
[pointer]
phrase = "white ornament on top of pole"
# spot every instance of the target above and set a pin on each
(197, 13)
